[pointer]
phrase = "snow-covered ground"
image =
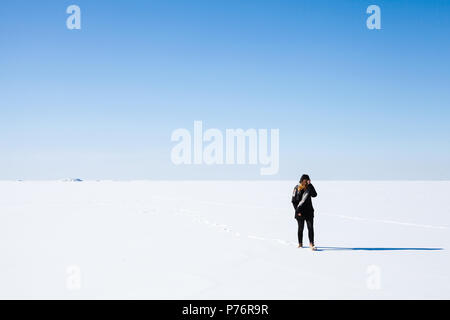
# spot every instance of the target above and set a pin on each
(217, 239)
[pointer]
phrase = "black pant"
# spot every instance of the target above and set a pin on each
(309, 224)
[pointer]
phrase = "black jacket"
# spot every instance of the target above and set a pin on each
(302, 201)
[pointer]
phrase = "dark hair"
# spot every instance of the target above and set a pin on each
(304, 177)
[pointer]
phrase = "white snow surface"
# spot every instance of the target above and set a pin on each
(222, 240)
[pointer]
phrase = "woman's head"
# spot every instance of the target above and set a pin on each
(304, 180)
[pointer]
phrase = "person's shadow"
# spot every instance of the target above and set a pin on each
(375, 249)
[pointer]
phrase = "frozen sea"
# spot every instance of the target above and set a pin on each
(222, 240)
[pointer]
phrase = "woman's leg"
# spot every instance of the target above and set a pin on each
(301, 224)
(310, 225)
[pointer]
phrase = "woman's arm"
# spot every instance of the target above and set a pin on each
(294, 199)
(312, 191)
(304, 197)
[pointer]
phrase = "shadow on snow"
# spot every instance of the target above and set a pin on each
(375, 249)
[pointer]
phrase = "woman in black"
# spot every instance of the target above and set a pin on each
(304, 211)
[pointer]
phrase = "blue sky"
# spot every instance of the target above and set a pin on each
(102, 102)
